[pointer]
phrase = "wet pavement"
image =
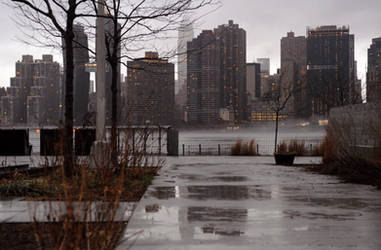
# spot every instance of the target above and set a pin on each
(249, 203)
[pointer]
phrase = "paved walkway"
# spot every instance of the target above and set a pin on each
(248, 203)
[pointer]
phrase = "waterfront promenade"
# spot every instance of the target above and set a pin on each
(249, 203)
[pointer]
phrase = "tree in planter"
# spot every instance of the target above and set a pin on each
(277, 100)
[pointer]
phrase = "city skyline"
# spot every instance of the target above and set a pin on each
(264, 29)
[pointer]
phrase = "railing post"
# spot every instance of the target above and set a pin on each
(257, 149)
(219, 149)
(199, 148)
(183, 150)
(311, 149)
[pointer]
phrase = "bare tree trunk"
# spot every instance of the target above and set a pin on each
(114, 89)
(276, 130)
(69, 76)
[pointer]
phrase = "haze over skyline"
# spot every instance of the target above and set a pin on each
(265, 24)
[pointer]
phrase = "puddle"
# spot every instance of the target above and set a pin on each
(206, 214)
(216, 192)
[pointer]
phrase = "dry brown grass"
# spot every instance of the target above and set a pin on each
(243, 149)
(298, 147)
(282, 147)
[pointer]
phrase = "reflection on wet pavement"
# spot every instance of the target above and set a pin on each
(218, 192)
(236, 203)
(208, 214)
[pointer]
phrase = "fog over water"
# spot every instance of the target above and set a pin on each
(262, 135)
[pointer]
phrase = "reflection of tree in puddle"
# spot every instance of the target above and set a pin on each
(227, 192)
(218, 192)
(216, 214)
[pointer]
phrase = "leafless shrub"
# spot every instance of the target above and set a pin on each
(236, 148)
(243, 149)
(87, 212)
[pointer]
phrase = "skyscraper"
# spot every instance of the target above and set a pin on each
(265, 64)
(373, 77)
(203, 79)
(34, 95)
(81, 76)
(20, 89)
(185, 34)
(109, 40)
(150, 91)
(217, 74)
(330, 68)
(232, 50)
(293, 71)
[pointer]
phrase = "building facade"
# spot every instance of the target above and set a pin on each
(294, 73)
(203, 78)
(81, 75)
(81, 78)
(150, 91)
(253, 80)
(216, 75)
(373, 77)
(34, 95)
(330, 69)
(185, 34)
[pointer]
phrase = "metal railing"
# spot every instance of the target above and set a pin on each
(312, 148)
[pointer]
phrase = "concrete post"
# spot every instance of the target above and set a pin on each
(99, 150)
(101, 75)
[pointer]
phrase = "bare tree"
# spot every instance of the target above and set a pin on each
(135, 22)
(54, 20)
(277, 101)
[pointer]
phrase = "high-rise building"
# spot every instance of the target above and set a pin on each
(185, 34)
(294, 73)
(203, 90)
(34, 95)
(330, 68)
(265, 64)
(81, 76)
(150, 91)
(81, 79)
(373, 77)
(253, 80)
(217, 74)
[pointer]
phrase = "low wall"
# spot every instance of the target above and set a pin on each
(357, 126)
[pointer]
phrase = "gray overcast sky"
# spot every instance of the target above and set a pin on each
(265, 22)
